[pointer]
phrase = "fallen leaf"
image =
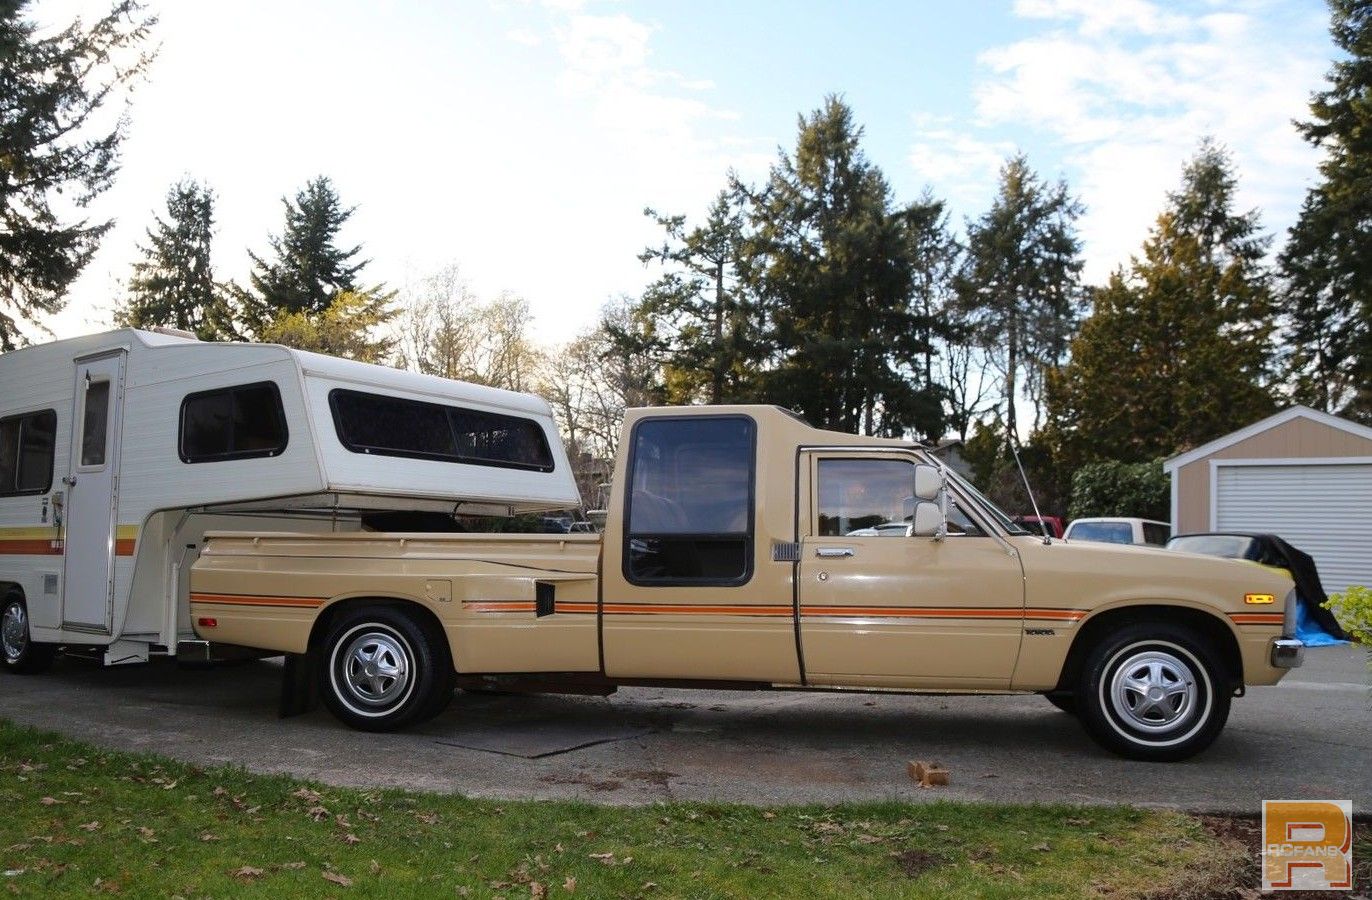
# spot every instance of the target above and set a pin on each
(219, 792)
(537, 891)
(427, 818)
(318, 813)
(206, 837)
(293, 865)
(351, 839)
(247, 872)
(1043, 847)
(169, 785)
(51, 801)
(376, 867)
(341, 880)
(648, 886)
(304, 793)
(569, 885)
(90, 826)
(769, 815)
(607, 859)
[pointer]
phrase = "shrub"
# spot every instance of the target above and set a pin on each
(1353, 609)
(1121, 489)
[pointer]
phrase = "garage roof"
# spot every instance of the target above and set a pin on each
(1243, 434)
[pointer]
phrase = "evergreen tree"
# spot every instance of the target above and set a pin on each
(1020, 285)
(173, 284)
(307, 268)
(830, 261)
(1327, 262)
(346, 327)
(706, 330)
(1174, 353)
(52, 143)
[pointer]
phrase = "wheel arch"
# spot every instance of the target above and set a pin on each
(330, 613)
(1208, 625)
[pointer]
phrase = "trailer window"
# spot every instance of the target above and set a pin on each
(26, 453)
(690, 503)
(396, 426)
(240, 422)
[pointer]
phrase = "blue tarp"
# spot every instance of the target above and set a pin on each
(1310, 632)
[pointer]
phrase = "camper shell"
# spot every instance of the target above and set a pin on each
(118, 451)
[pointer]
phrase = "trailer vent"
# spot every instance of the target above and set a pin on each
(50, 585)
(785, 551)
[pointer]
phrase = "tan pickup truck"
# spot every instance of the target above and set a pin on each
(746, 549)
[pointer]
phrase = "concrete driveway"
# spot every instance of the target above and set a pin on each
(1310, 737)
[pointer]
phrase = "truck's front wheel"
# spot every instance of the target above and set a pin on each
(1153, 692)
(382, 670)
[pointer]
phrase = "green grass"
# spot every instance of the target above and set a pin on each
(77, 820)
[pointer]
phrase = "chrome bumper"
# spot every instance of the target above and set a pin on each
(1287, 653)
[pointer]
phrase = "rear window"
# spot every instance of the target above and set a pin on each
(1153, 533)
(1109, 532)
(26, 452)
(690, 515)
(240, 422)
(397, 426)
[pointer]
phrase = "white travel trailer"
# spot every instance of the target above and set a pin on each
(118, 451)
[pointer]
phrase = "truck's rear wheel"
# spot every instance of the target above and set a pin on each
(21, 653)
(1153, 692)
(382, 669)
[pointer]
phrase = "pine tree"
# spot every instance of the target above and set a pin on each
(308, 268)
(53, 145)
(829, 259)
(1174, 353)
(1327, 263)
(706, 326)
(1020, 284)
(173, 284)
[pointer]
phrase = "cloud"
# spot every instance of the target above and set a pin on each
(1126, 90)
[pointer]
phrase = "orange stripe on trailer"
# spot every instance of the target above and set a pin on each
(30, 547)
(255, 600)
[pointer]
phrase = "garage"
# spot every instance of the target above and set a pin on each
(1301, 474)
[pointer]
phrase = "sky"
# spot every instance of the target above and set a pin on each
(522, 140)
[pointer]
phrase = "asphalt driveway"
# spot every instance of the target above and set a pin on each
(1309, 737)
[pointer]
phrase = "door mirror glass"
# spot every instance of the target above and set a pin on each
(928, 482)
(928, 519)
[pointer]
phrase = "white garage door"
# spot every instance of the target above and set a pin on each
(1325, 510)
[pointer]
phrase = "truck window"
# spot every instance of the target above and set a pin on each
(1109, 532)
(872, 497)
(26, 453)
(1153, 533)
(396, 426)
(690, 503)
(240, 422)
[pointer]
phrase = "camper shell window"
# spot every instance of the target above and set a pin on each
(26, 453)
(240, 422)
(396, 426)
(691, 501)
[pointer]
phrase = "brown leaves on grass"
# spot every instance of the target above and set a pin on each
(247, 873)
(336, 878)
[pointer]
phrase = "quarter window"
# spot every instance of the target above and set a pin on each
(240, 422)
(26, 453)
(95, 423)
(690, 506)
(396, 426)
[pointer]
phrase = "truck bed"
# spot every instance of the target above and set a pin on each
(506, 602)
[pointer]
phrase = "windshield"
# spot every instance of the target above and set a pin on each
(989, 509)
(1232, 546)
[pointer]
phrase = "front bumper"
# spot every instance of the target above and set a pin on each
(1287, 653)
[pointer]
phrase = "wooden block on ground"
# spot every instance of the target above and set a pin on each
(928, 774)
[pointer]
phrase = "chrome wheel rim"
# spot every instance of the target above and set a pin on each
(1153, 691)
(14, 631)
(376, 668)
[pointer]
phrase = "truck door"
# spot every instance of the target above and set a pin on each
(878, 607)
(92, 485)
(691, 589)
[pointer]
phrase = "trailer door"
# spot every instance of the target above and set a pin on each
(92, 493)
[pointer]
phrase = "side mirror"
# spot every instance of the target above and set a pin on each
(928, 520)
(928, 482)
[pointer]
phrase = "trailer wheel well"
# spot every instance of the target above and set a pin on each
(1206, 625)
(422, 614)
(10, 589)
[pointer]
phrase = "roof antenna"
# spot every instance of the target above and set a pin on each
(1012, 439)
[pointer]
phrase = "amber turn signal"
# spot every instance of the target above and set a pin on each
(1259, 599)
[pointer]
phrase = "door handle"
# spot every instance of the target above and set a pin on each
(833, 552)
(69, 480)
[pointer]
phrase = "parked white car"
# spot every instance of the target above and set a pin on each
(1119, 531)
